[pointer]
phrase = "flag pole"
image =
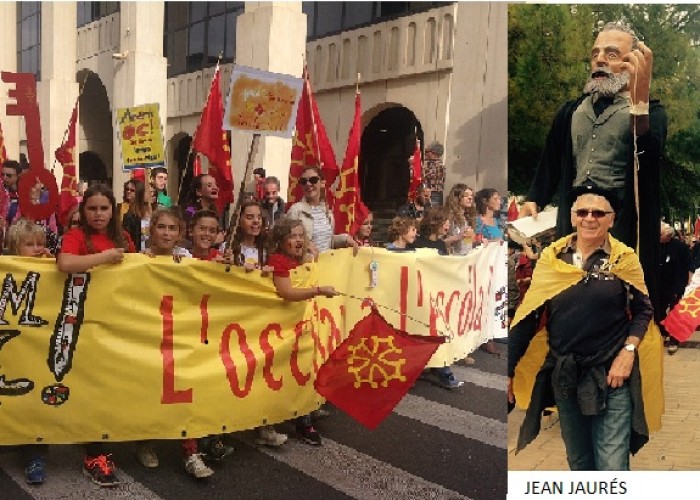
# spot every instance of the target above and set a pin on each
(67, 131)
(189, 153)
(236, 214)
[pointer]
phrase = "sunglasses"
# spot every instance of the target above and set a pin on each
(312, 180)
(582, 213)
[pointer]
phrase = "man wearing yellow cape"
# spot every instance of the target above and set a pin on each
(598, 354)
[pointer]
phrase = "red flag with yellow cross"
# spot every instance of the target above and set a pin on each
(348, 211)
(66, 154)
(310, 147)
(684, 318)
(371, 371)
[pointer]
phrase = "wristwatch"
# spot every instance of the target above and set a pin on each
(630, 347)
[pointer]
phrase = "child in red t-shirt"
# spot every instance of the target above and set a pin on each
(99, 239)
(288, 249)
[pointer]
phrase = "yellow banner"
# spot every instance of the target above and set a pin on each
(154, 349)
(141, 136)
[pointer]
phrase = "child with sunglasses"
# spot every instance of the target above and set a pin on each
(316, 217)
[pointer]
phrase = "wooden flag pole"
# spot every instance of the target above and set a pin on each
(236, 214)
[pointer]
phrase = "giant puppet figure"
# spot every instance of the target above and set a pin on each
(615, 136)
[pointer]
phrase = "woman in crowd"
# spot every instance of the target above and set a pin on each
(98, 240)
(128, 197)
(316, 216)
(137, 219)
(288, 249)
(488, 203)
(402, 233)
(363, 235)
(460, 209)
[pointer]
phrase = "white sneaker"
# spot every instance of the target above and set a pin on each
(195, 465)
(146, 454)
(268, 436)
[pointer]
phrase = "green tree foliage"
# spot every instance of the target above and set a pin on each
(548, 64)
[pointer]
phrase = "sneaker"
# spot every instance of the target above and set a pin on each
(447, 379)
(195, 465)
(309, 435)
(147, 455)
(267, 436)
(100, 470)
(672, 349)
(215, 449)
(35, 473)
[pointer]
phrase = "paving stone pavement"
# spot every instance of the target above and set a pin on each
(675, 447)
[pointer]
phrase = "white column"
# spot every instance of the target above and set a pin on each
(8, 62)
(141, 77)
(270, 36)
(58, 89)
(476, 151)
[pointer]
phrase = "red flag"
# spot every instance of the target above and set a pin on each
(65, 155)
(197, 166)
(371, 371)
(211, 140)
(310, 147)
(684, 318)
(3, 151)
(512, 210)
(4, 195)
(139, 174)
(416, 172)
(348, 210)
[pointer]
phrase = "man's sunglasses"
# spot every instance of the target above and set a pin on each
(312, 180)
(582, 213)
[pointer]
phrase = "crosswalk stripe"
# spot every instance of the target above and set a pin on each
(480, 378)
(450, 419)
(356, 474)
(67, 481)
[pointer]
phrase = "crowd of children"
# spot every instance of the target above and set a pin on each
(99, 231)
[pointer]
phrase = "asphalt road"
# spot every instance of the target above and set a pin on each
(437, 444)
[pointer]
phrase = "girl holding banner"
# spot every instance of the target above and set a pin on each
(98, 240)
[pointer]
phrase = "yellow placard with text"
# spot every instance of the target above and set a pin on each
(140, 136)
(150, 348)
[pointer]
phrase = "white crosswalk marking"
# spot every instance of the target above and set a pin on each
(65, 480)
(349, 471)
(448, 418)
(480, 378)
(356, 474)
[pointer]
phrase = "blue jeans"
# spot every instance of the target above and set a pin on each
(599, 442)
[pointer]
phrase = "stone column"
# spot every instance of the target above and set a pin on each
(476, 151)
(270, 36)
(141, 76)
(57, 90)
(8, 62)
